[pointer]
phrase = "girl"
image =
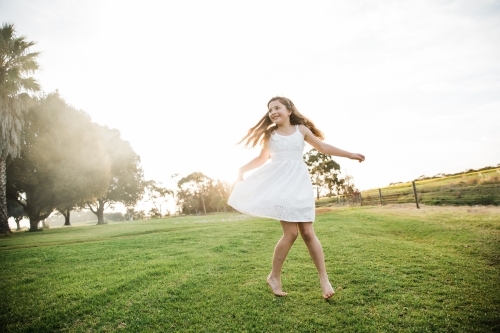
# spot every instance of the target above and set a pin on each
(282, 189)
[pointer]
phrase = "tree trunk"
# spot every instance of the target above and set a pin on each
(66, 216)
(203, 202)
(34, 211)
(4, 217)
(100, 212)
(34, 222)
(18, 222)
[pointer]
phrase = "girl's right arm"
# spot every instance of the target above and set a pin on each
(255, 163)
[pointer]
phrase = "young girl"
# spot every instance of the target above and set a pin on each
(282, 189)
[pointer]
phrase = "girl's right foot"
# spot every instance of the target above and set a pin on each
(275, 285)
(327, 289)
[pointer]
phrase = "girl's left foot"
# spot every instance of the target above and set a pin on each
(327, 289)
(275, 285)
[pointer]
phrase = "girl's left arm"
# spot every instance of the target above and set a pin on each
(325, 148)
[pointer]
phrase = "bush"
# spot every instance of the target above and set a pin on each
(117, 216)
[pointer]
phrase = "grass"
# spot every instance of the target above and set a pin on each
(475, 188)
(395, 270)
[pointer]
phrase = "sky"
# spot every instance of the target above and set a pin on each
(412, 85)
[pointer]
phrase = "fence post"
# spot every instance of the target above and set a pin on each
(360, 200)
(415, 193)
(380, 196)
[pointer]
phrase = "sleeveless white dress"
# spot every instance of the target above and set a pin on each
(281, 189)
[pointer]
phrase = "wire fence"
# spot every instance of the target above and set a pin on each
(474, 188)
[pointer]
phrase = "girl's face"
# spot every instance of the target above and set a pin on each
(278, 113)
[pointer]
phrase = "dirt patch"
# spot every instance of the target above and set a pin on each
(323, 210)
(426, 209)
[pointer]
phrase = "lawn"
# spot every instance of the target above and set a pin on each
(395, 269)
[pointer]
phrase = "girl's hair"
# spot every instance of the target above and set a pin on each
(261, 132)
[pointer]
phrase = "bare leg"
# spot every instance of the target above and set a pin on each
(316, 252)
(281, 250)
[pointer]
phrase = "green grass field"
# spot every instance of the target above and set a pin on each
(395, 269)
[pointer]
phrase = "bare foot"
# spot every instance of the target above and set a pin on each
(275, 285)
(327, 289)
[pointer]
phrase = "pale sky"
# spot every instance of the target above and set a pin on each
(413, 85)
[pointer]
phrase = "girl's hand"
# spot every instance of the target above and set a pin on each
(359, 157)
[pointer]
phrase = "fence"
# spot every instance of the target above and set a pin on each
(378, 198)
(403, 194)
(474, 188)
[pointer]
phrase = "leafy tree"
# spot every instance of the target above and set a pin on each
(154, 213)
(198, 191)
(219, 194)
(192, 188)
(86, 186)
(16, 63)
(323, 170)
(133, 214)
(56, 168)
(332, 183)
(347, 186)
(126, 184)
(16, 211)
(156, 194)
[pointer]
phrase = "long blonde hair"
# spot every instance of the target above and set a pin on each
(261, 132)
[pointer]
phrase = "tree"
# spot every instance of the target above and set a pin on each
(193, 187)
(332, 183)
(16, 62)
(126, 183)
(218, 194)
(133, 214)
(156, 194)
(16, 211)
(154, 213)
(86, 186)
(323, 170)
(347, 186)
(56, 167)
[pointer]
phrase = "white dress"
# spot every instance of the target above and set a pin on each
(281, 189)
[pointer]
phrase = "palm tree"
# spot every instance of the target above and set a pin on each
(15, 64)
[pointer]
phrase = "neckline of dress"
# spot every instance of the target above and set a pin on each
(296, 130)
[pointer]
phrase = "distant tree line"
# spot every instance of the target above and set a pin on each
(195, 193)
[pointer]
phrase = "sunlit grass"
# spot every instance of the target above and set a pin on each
(394, 270)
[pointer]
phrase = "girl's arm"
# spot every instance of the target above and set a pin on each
(325, 148)
(255, 163)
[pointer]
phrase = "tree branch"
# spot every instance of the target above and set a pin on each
(92, 209)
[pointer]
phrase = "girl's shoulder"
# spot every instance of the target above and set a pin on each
(303, 129)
